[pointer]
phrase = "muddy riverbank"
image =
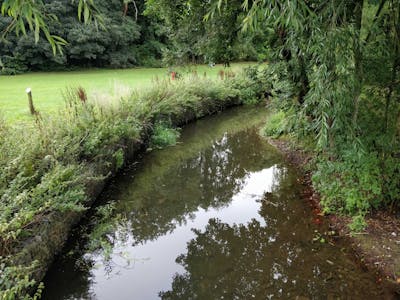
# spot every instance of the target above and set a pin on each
(377, 248)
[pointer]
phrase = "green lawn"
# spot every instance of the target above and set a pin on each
(101, 85)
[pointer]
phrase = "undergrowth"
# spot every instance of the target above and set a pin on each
(275, 125)
(48, 166)
(163, 135)
(353, 178)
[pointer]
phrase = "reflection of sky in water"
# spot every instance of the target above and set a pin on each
(151, 272)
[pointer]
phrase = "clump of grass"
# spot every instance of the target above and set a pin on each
(357, 223)
(163, 135)
(275, 125)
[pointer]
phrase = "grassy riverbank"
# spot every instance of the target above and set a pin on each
(52, 170)
(48, 87)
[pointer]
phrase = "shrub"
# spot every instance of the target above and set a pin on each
(163, 135)
(275, 125)
(357, 224)
(352, 185)
(15, 280)
(10, 65)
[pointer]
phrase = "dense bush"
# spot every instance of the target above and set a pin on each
(10, 65)
(353, 177)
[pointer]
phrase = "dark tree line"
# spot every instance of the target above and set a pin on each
(123, 34)
(124, 37)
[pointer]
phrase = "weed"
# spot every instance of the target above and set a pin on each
(358, 223)
(163, 135)
(81, 93)
(275, 125)
(119, 158)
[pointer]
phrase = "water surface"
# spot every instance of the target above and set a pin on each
(218, 216)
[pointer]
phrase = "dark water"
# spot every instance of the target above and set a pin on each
(216, 217)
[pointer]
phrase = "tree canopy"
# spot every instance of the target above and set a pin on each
(112, 34)
(195, 39)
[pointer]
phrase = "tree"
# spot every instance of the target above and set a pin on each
(192, 39)
(334, 70)
(324, 46)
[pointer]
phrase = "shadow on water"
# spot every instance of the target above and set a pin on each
(216, 217)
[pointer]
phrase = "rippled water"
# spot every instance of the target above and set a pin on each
(218, 216)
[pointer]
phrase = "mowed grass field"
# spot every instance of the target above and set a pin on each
(100, 84)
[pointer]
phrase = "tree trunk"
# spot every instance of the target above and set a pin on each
(395, 66)
(358, 58)
(125, 11)
(305, 84)
(390, 91)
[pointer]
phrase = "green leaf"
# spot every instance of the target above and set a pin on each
(37, 29)
(86, 13)
(80, 5)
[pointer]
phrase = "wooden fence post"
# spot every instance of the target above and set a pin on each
(31, 107)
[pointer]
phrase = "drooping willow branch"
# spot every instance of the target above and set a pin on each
(30, 15)
(126, 3)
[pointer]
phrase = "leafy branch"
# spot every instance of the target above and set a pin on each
(31, 15)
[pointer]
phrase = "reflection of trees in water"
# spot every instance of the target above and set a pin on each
(163, 196)
(275, 260)
(247, 262)
(243, 261)
(233, 262)
(208, 180)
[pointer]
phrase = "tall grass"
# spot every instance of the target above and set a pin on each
(47, 87)
(51, 169)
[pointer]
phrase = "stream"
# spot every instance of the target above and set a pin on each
(218, 216)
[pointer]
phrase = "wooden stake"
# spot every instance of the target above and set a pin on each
(31, 107)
